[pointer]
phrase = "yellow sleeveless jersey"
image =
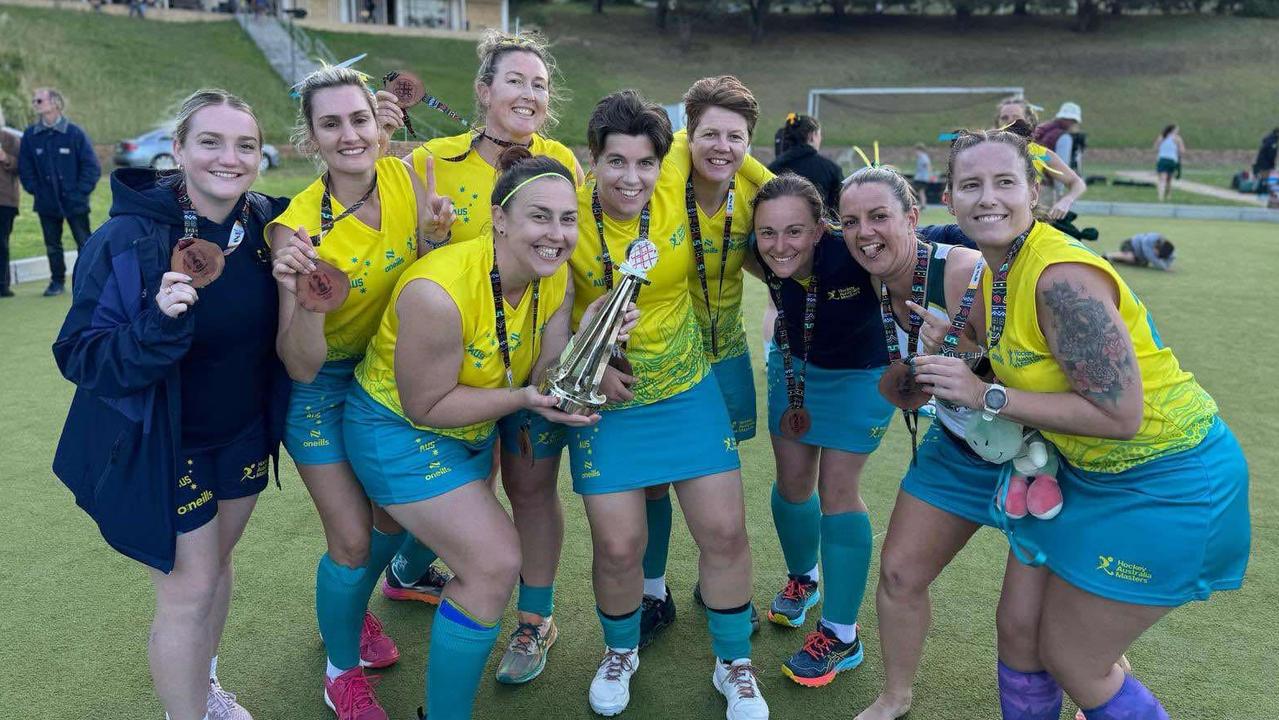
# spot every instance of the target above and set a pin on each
(463, 271)
(727, 307)
(1177, 412)
(665, 348)
(372, 259)
(469, 182)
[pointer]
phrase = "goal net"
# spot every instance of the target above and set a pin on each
(899, 117)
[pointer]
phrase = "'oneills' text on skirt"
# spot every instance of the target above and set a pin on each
(313, 428)
(398, 463)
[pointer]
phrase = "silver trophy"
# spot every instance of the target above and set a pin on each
(574, 381)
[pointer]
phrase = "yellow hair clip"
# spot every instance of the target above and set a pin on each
(867, 160)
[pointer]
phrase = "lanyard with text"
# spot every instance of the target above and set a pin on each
(898, 384)
(699, 255)
(795, 420)
(199, 259)
(504, 345)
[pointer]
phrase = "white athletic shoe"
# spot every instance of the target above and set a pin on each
(611, 688)
(738, 684)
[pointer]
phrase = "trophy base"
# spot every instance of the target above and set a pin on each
(573, 403)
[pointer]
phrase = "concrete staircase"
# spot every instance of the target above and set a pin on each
(290, 51)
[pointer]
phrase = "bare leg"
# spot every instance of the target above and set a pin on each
(538, 515)
(178, 648)
(715, 510)
(232, 518)
(1017, 619)
(618, 532)
(921, 541)
(1083, 637)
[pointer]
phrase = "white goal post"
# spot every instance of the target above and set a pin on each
(815, 95)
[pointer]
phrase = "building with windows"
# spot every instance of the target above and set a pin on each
(435, 14)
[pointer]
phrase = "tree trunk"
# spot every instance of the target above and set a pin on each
(963, 12)
(1116, 7)
(663, 7)
(1088, 16)
(839, 7)
(1019, 7)
(599, 7)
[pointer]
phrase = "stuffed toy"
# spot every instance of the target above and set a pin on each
(1033, 487)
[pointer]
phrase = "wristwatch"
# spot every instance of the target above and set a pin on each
(995, 399)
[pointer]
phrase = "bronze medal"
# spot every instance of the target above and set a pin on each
(406, 87)
(199, 259)
(324, 289)
(795, 422)
(898, 386)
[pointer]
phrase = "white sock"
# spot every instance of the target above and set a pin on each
(213, 669)
(331, 671)
(655, 587)
(815, 574)
(845, 633)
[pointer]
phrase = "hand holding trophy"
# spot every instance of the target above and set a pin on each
(574, 381)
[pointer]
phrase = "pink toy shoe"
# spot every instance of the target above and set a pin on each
(1043, 497)
(1015, 501)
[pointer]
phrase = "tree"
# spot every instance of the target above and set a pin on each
(599, 7)
(1088, 15)
(759, 15)
(663, 9)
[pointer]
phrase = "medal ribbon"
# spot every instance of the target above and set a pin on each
(950, 345)
(699, 255)
(918, 295)
(794, 387)
(598, 211)
(999, 291)
(191, 221)
(327, 221)
(499, 316)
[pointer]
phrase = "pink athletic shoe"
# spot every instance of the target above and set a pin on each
(377, 649)
(1015, 501)
(1043, 497)
(351, 696)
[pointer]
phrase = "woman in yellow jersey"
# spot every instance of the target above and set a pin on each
(666, 422)
(513, 105)
(718, 196)
(513, 100)
(1013, 109)
(464, 331)
(1156, 486)
(370, 218)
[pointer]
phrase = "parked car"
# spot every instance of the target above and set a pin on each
(154, 149)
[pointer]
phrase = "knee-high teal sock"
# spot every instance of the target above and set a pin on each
(459, 646)
(412, 560)
(621, 632)
(382, 547)
(658, 513)
(798, 530)
(730, 632)
(846, 548)
(340, 600)
(536, 599)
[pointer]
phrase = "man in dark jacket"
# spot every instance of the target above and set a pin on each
(58, 167)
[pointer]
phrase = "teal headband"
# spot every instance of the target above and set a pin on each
(535, 177)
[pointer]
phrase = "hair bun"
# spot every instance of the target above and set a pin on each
(1022, 128)
(512, 156)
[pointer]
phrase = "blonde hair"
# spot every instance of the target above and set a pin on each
(303, 136)
(203, 98)
(494, 45)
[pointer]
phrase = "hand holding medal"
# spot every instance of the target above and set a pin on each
(176, 295)
(409, 90)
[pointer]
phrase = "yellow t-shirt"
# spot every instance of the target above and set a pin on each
(1177, 413)
(728, 305)
(469, 182)
(463, 271)
(665, 348)
(372, 259)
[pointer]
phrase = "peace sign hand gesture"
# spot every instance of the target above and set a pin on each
(435, 220)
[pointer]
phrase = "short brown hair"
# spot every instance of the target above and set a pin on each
(626, 112)
(788, 184)
(724, 91)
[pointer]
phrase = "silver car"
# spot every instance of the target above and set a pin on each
(154, 149)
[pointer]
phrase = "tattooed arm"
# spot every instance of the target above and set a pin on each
(1078, 311)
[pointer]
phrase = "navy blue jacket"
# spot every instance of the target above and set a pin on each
(118, 453)
(946, 235)
(58, 168)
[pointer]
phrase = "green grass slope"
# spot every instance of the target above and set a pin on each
(122, 76)
(74, 614)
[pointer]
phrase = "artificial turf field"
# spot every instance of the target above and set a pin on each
(74, 615)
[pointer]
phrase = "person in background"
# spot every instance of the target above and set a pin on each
(800, 140)
(10, 142)
(1170, 148)
(1265, 162)
(923, 173)
(1058, 135)
(1145, 250)
(58, 167)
